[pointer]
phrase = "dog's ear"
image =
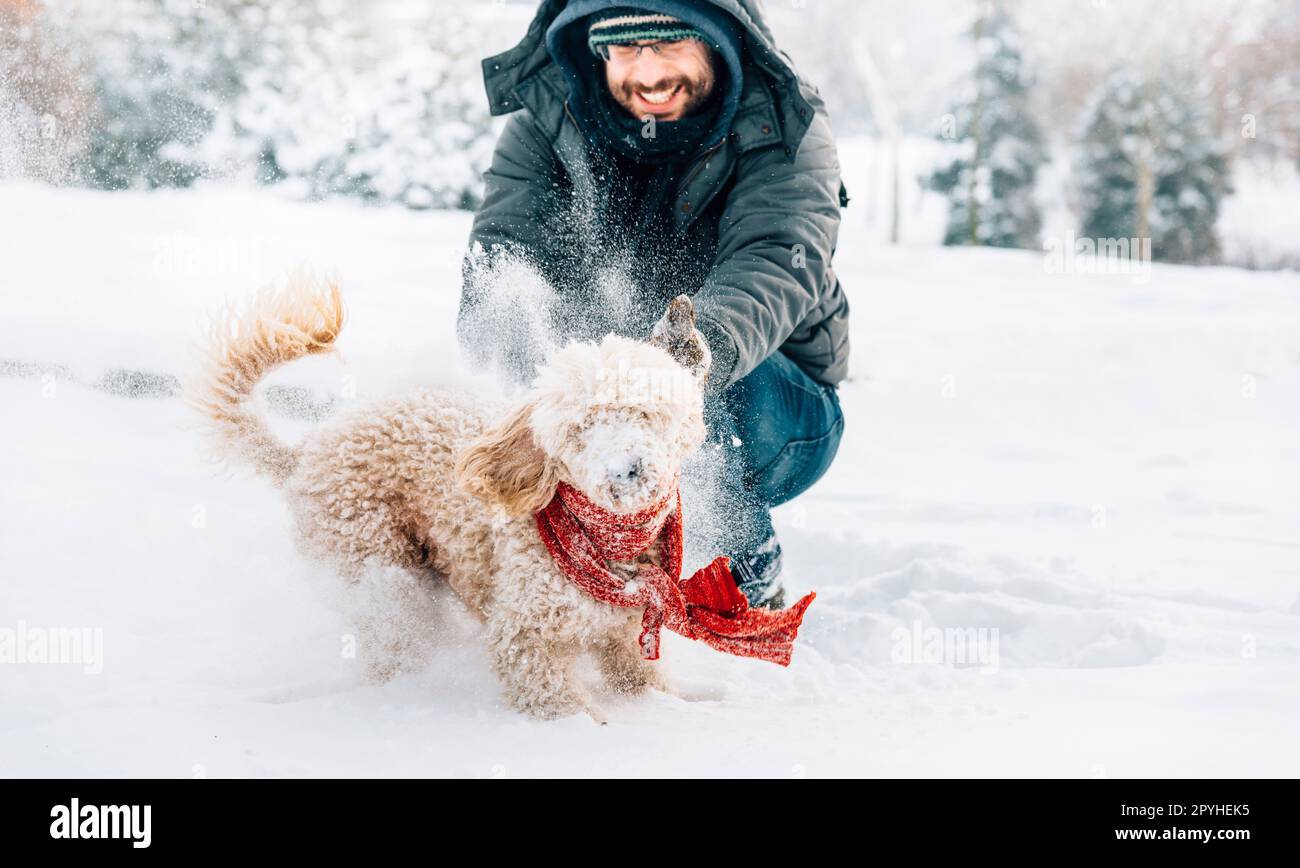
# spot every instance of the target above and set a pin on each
(506, 467)
(676, 334)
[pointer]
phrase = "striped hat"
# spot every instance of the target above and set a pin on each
(625, 24)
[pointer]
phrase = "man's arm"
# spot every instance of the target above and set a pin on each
(775, 241)
(523, 168)
(510, 223)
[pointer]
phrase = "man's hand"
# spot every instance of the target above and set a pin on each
(676, 334)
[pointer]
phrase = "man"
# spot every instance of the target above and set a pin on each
(672, 136)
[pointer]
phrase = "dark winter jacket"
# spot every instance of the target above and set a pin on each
(753, 221)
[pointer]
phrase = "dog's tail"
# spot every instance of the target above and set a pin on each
(278, 326)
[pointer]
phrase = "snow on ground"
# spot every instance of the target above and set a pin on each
(1100, 469)
(1260, 223)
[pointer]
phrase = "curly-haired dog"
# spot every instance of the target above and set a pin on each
(445, 484)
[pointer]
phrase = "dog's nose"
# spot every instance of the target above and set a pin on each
(631, 472)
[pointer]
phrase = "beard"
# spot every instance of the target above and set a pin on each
(697, 91)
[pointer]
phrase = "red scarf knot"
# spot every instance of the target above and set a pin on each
(582, 537)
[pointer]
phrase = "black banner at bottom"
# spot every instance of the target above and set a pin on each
(235, 817)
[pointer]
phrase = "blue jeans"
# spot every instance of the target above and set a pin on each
(777, 431)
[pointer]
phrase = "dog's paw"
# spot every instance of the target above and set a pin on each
(628, 682)
(596, 714)
(631, 676)
(554, 708)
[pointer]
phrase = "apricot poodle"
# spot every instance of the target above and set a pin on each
(444, 484)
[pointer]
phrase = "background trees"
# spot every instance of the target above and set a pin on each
(990, 180)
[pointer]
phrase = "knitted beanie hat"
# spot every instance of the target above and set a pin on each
(626, 24)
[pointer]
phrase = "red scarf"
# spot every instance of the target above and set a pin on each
(708, 606)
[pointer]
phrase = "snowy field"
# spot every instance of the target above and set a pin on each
(1101, 470)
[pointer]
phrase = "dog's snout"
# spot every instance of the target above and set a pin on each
(631, 472)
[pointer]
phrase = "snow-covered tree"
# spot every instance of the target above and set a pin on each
(382, 101)
(159, 71)
(1152, 165)
(997, 147)
(346, 101)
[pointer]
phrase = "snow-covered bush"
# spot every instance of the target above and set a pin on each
(382, 101)
(342, 101)
(42, 105)
(154, 73)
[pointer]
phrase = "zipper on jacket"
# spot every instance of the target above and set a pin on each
(699, 164)
(690, 176)
(570, 115)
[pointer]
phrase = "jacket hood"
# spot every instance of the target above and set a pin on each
(566, 40)
(526, 75)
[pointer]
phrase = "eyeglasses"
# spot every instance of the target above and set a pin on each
(626, 53)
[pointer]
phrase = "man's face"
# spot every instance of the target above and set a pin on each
(667, 84)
